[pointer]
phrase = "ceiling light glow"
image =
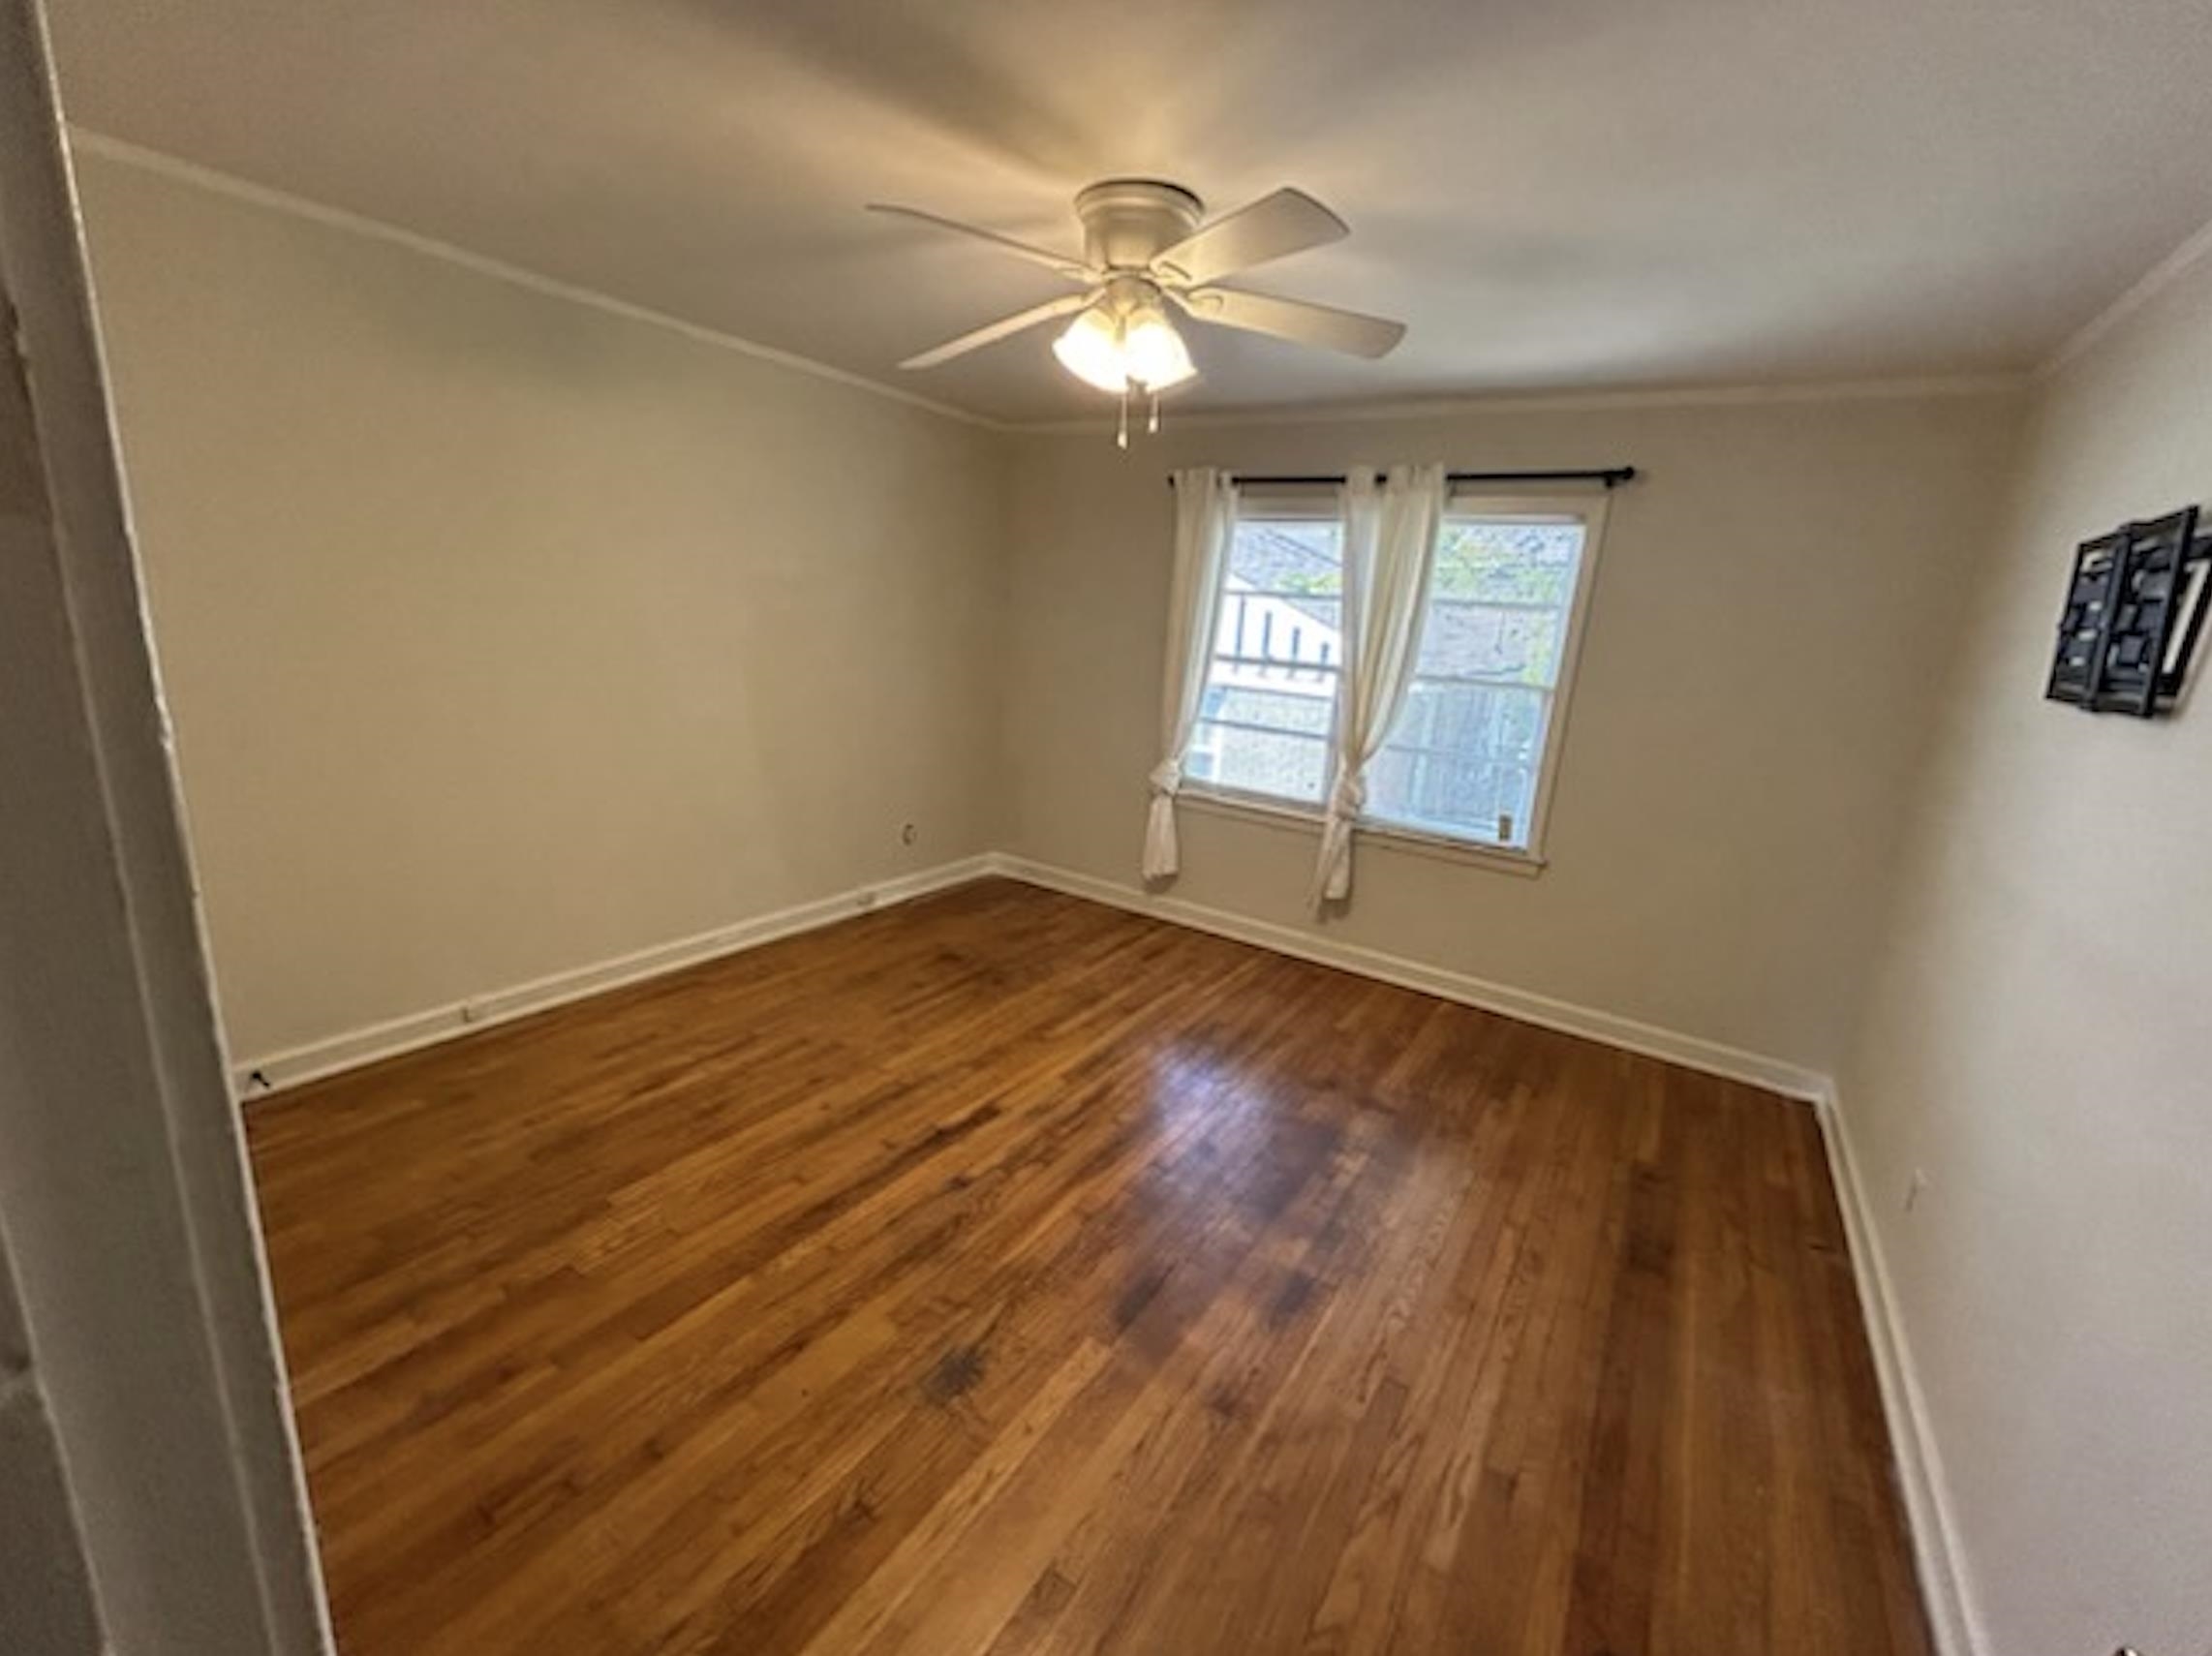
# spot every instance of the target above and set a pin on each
(1125, 347)
(1091, 348)
(1152, 352)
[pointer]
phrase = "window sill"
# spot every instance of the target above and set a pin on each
(1273, 813)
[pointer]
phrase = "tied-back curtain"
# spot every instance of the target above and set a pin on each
(1388, 538)
(1204, 523)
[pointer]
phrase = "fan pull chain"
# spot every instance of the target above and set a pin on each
(1153, 417)
(1122, 432)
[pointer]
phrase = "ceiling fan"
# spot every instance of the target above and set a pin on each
(1146, 254)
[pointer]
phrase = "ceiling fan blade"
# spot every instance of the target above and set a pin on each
(1051, 260)
(999, 330)
(1331, 330)
(1274, 226)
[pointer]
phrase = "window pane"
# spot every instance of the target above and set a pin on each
(1291, 710)
(1267, 627)
(1270, 705)
(1287, 557)
(1258, 761)
(1463, 759)
(1282, 601)
(1501, 560)
(1468, 640)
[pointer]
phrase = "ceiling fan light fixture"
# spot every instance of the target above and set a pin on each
(1091, 348)
(1129, 347)
(1152, 352)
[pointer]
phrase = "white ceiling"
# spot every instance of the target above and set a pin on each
(1551, 193)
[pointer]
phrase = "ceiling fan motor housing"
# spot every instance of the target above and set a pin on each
(1126, 221)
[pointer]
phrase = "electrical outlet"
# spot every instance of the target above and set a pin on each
(909, 835)
(1916, 1188)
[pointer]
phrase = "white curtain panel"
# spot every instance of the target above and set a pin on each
(1388, 538)
(1204, 523)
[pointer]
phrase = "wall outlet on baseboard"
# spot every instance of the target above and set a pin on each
(1915, 1189)
(865, 901)
(472, 1012)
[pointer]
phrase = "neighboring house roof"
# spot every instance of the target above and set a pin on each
(1271, 559)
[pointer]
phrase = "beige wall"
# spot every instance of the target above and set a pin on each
(505, 635)
(521, 635)
(1752, 689)
(2040, 1042)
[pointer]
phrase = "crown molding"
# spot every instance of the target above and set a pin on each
(87, 141)
(2152, 283)
(1907, 389)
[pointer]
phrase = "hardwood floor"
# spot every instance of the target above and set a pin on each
(1002, 1273)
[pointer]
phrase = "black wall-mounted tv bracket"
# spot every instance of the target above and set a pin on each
(2134, 611)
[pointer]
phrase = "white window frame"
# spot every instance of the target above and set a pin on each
(1590, 508)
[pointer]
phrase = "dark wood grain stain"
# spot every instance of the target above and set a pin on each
(955, 1374)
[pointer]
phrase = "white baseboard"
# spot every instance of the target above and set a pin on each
(272, 1072)
(1952, 1617)
(1693, 1051)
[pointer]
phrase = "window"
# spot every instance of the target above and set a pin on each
(1466, 756)
(1469, 755)
(1266, 724)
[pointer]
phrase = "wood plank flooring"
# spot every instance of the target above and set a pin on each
(1005, 1274)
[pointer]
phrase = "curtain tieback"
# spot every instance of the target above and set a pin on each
(1349, 797)
(1333, 874)
(1167, 778)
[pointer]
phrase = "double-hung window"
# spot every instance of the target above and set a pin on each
(1266, 721)
(1470, 755)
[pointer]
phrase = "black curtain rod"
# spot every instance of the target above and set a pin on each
(1611, 476)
